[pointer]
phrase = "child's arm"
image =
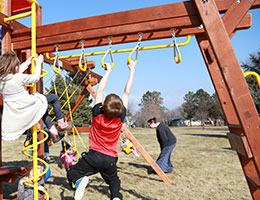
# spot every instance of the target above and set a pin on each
(91, 91)
(129, 84)
(24, 66)
(102, 84)
(33, 78)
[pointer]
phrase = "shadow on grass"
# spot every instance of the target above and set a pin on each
(105, 190)
(20, 163)
(207, 135)
(228, 148)
(147, 167)
(10, 189)
(213, 128)
(139, 165)
(63, 197)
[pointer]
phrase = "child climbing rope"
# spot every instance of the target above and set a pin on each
(103, 138)
(19, 106)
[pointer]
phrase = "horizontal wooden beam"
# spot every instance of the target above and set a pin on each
(150, 20)
(91, 40)
(169, 11)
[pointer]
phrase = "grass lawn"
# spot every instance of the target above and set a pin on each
(204, 168)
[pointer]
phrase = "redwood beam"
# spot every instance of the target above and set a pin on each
(232, 75)
(181, 9)
(235, 14)
(6, 46)
(6, 34)
(226, 104)
(39, 86)
(121, 34)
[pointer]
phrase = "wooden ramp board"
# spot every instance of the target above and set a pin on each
(146, 156)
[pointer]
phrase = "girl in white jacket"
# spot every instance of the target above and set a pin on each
(21, 110)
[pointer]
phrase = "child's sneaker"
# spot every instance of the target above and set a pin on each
(28, 140)
(57, 138)
(80, 185)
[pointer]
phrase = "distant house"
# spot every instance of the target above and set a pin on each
(179, 121)
(192, 123)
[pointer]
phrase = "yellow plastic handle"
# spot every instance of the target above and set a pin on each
(256, 75)
(83, 67)
(129, 58)
(45, 73)
(103, 64)
(177, 54)
(47, 55)
(56, 69)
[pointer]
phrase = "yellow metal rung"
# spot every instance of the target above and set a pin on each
(23, 15)
(123, 50)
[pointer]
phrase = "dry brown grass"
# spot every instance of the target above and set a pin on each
(205, 168)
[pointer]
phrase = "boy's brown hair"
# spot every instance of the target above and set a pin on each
(152, 120)
(8, 63)
(112, 106)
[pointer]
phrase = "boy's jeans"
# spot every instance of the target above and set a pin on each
(164, 159)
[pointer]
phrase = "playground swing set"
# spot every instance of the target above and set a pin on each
(201, 18)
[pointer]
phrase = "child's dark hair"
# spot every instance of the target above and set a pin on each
(152, 120)
(8, 62)
(112, 106)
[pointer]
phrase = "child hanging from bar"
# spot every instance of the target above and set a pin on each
(103, 138)
(22, 110)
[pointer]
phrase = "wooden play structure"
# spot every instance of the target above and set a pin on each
(212, 22)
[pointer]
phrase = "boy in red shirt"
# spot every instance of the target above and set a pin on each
(103, 137)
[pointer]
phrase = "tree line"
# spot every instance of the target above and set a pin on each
(197, 105)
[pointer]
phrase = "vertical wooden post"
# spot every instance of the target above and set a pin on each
(6, 34)
(225, 102)
(6, 46)
(40, 85)
(246, 121)
(232, 74)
